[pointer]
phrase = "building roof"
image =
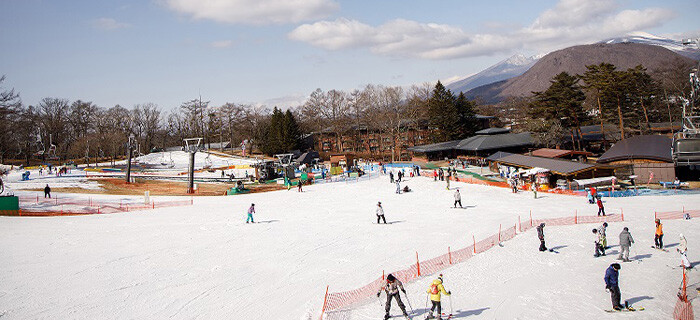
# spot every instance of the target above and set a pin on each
(557, 153)
(496, 141)
(493, 131)
(562, 167)
(651, 147)
(593, 133)
(435, 147)
(307, 157)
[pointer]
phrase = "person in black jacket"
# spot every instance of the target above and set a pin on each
(540, 235)
(611, 284)
(47, 191)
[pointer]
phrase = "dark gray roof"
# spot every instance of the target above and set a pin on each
(307, 157)
(442, 146)
(562, 167)
(497, 141)
(498, 155)
(493, 131)
(652, 147)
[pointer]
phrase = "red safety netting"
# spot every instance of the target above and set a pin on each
(56, 206)
(683, 309)
(336, 303)
(682, 214)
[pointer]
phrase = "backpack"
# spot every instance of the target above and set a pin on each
(434, 289)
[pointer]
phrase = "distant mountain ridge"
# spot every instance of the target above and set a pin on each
(574, 61)
(690, 51)
(506, 69)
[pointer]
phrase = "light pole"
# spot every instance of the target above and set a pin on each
(130, 146)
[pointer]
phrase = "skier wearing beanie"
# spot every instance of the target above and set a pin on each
(391, 288)
(540, 235)
(436, 288)
(611, 285)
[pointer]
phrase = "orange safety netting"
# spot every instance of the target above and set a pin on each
(683, 214)
(37, 206)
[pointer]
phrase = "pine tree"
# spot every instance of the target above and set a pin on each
(562, 101)
(442, 113)
(467, 124)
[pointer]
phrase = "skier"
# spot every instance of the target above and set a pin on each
(436, 288)
(398, 187)
(599, 249)
(603, 235)
(600, 206)
(590, 197)
(448, 183)
(683, 250)
(391, 288)
(458, 199)
(534, 190)
(391, 177)
(400, 175)
(626, 242)
(540, 235)
(611, 285)
(251, 210)
(380, 213)
(299, 185)
(659, 235)
(47, 191)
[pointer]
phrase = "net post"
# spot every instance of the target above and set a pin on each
(325, 301)
(520, 228)
(499, 232)
(530, 217)
(576, 216)
(474, 241)
(418, 263)
(449, 254)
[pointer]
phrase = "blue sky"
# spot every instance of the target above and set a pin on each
(276, 52)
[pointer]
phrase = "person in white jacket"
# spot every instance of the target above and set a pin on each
(380, 213)
(458, 199)
(683, 250)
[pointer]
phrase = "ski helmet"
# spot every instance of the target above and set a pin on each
(595, 230)
(390, 277)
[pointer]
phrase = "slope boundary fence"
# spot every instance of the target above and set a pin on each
(56, 206)
(335, 304)
(682, 214)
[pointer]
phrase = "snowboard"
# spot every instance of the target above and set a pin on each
(629, 309)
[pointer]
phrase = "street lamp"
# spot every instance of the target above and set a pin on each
(130, 145)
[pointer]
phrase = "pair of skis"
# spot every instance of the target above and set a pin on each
(628, 309)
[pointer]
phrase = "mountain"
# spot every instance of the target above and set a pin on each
(506, 69)
(690, 51)
(574, 61)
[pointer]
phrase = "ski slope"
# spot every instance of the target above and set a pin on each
(204, 262)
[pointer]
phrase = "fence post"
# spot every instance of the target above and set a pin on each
(622, 213)
(325, 299)
(383, 275)
(520, 228)
(499, 232)
(655, 215)
(530, 217)
(449, 254)
(474, 239)
(576, 216)
(418, 263)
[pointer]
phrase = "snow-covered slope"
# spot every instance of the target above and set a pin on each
(677, 46)
(204, 262)
(506, 69)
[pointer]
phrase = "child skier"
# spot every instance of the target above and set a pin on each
(380, 213)
(540, 235)
(659, 235)
(611, 285)
(398, 187)
(600, 206)
(458, 199)
(436, 288)
(599, 249)
(590, 197)
(683, 250)
(626, 242)
(251, 210)
(391, 288)
(603, 235)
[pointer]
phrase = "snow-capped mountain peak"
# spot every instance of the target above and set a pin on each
(677, 46)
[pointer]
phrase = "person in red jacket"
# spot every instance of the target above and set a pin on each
(600, 206)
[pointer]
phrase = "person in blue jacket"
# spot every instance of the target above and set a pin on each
(611, 284)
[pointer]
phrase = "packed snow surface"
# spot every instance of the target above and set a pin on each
(204, 261)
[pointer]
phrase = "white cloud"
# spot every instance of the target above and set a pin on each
(109, 24)
(256, 12)
(568, 22)
(221, 44)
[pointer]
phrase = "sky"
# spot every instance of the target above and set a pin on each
(276, 52)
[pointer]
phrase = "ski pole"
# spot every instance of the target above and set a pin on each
(409, 302)
(450, 305)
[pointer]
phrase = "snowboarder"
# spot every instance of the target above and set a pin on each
(626, 242)
(47, 191)
(391, 177)
(603, 235)
(600, 206)
(391, 288)
(540, 235)
(435, 290)
(251, 210)
(599, 249)
(659, 235)
(683, 250)
(398, 187)
(380, 213)
(458, 199)
(611, 285)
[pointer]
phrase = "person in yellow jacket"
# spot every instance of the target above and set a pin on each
(435, 290)
(659, 235)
